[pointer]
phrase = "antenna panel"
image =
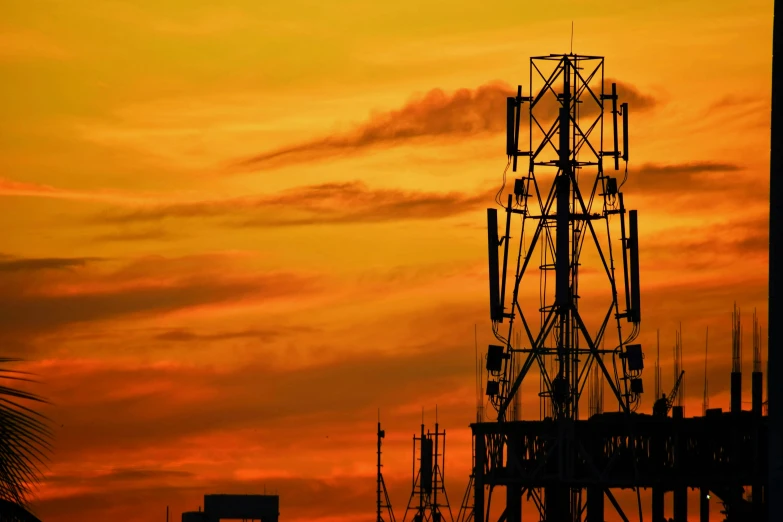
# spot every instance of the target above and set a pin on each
(511, 106)
(635, 311)
(614, 126)
(624, 109)
(495, 311)
(426, 464)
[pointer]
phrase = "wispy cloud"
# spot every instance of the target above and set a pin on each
(120, 475)
(9, 187)
(95, 500)
(713, 245)
(356, 202)
(437, 114)
(691, 178)
(10, 264)
(349, 202)
(35, 298)
(147, 234)
(547, 108)
(182, 335)
(242, 397)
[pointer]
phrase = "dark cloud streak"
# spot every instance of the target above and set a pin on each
(101, 501)
(463, 113)
(120, 475)
(143, 235)
(41, 311)
(692, 177)
(34, 302)
(47, 263)
(182, 335)
(711, 245)
(336, 203)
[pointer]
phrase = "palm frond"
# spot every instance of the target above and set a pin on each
(25, 441)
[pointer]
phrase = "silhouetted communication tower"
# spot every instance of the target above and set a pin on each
(580, 219)
(575, 243)
(428, 501)
(561, 221)
(382, 502)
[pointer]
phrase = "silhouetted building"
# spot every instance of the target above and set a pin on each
(264, 508)
(193, 516)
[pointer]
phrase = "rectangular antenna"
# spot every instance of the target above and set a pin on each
(616, 153)
(516, 126)
(634, 259)
(426, 464)
(511, 104)
(495, 312)
(624, 109)
(625, 242)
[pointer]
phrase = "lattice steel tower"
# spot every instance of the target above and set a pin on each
(578, 222)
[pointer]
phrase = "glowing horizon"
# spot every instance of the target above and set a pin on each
(233, 232)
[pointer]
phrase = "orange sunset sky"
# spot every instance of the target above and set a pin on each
(232, 231)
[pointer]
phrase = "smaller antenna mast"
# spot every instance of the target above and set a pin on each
(383, 501)
(706, 399)
(658, 367)
(736, 360)
(756, 343)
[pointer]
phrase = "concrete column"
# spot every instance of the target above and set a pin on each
(680, 492)
(736, 392)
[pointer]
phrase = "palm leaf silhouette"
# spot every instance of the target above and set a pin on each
(24, 444)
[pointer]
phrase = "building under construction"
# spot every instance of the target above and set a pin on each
(562, 213)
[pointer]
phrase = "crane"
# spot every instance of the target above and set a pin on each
(663, 406)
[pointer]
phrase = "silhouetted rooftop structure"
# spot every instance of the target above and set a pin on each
(265, 508)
